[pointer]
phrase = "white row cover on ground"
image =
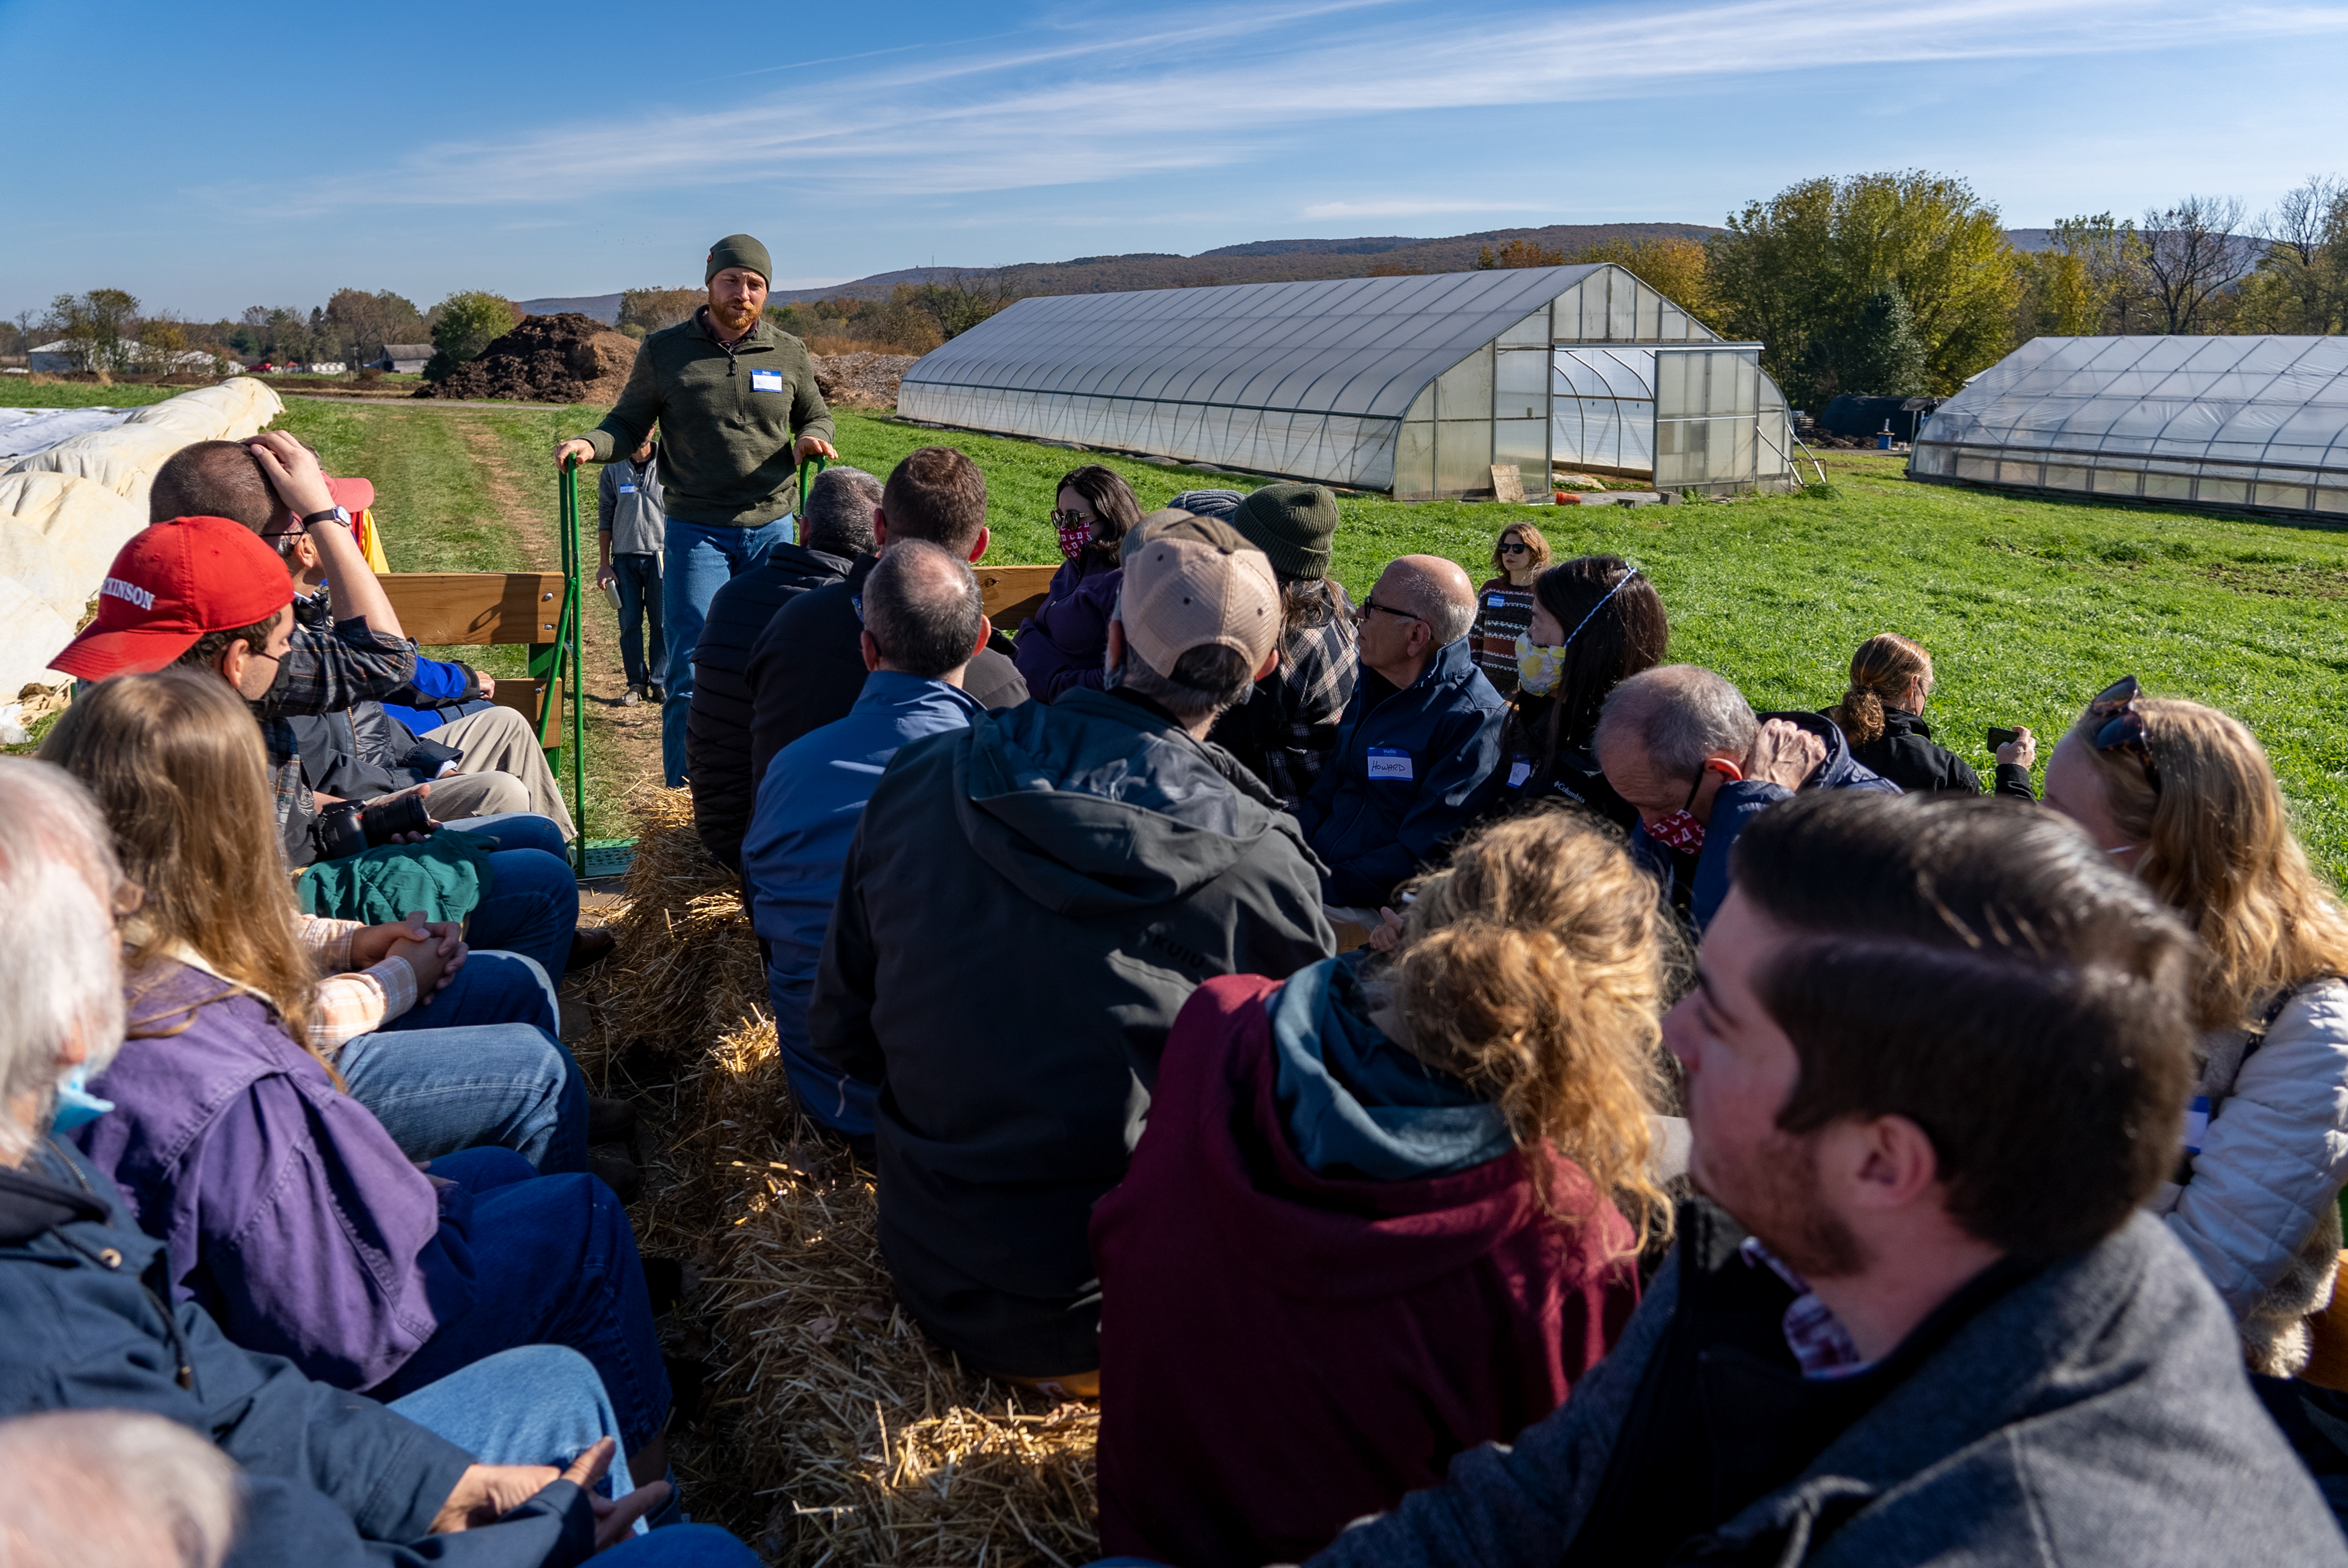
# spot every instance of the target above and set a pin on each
(67, 510)
(24, 431)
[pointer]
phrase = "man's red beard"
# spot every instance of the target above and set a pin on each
(1774, 1194)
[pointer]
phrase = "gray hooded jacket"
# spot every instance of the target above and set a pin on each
(1026, 906)
(2095, 1414)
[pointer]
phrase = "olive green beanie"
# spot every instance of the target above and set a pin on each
(1292, 524)
(739, 250)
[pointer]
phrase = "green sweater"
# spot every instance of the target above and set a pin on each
(728, 421)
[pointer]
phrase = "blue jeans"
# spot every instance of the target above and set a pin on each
(554, 1262)
(533, 903)
(544, 1404)
(843, 1103)
(638, 579)
(701, 560)
(477, 1067)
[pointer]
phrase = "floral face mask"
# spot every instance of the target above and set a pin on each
(1540, 668)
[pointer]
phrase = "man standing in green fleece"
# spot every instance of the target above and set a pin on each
(735, 399)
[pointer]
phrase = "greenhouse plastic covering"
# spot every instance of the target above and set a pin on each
(2237, 421)
(1416, 384)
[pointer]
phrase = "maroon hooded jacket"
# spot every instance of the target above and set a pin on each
(1282, 1353)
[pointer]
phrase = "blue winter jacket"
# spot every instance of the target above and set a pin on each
(809, 805)
(1740, 801)
(436, 695)
(1402, 777)
(332, 1480)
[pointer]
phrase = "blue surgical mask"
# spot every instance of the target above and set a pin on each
(77, 1106)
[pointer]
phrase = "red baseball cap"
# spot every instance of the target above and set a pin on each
(169, 586)
(353, 495)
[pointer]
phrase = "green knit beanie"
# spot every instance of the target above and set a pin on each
(1292, 524)
(739, 250)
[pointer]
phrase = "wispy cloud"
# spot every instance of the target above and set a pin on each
(1098, 98)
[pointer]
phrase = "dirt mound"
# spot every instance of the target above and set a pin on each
(860, 380)
(566, 358)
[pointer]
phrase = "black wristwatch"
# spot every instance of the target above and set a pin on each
(331, 515)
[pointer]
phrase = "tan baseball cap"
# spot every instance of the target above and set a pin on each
(1191, 581)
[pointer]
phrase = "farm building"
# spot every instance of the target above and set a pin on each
(402, 358)
(1414, 386)
(2242, 422)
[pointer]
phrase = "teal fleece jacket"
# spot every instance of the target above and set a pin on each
(728, 420)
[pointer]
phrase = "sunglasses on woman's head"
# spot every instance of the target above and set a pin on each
(2122, 729)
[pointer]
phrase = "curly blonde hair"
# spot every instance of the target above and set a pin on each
(1535, 968)
(2219, 849)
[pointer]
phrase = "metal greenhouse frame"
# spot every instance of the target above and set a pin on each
(2257, 424)
(1414, 386)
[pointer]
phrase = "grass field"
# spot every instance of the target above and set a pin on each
(2029, 606)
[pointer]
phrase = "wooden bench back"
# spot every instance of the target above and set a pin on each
(1013, 593)
(442, 608)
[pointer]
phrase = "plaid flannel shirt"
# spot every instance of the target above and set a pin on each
(1318, 668)
(1822, 1347)
(325, 670)
(349, 1003)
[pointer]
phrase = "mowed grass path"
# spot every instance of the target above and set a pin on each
(2029, 606)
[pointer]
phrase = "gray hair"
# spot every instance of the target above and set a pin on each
(1424, 593)
(60, 961)
(1679, 714)
(1207, 681)
(923, 609)
(114, 1488)
(835, 514)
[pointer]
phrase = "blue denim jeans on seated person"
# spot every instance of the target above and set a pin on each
(554, 1262)
(533, 903)
(700, 560)
(476, 1064)
(544, 1404)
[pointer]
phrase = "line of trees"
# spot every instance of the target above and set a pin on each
(110, 330)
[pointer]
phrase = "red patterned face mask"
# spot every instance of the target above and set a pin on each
(1679, 831)
(1073, 540)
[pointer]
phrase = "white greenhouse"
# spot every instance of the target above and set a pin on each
(2254, 424)
(1417, 386)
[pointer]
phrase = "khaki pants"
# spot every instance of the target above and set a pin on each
(503, 770)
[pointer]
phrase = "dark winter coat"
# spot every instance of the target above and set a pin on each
(1026, 906)
(1407, 771)
(717, 726)
(1906, 753)
(1284, 1351)
(2092, 1414)
(1063, 643)
(807, 669)
(331, 1480)
(1524, 781)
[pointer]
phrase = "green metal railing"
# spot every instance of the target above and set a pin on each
(570, 668)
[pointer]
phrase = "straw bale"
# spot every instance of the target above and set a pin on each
(840, 1433)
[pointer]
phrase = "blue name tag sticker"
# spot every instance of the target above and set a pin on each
(1496, 603)
(2196, 1123)
(765, 381)
(627, 489)
(1390, 762)
(1518, 772)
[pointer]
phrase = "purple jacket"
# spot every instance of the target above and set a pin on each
(1061, 645)
(285, 1209)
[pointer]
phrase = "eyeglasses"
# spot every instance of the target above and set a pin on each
(1370, 604)
(2122, 729)
(1070, 519)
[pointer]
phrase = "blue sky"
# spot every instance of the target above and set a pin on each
(208, 158)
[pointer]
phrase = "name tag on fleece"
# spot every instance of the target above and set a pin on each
(765, 381)
(627, 489)
(2196, 1123)
(1390, 762)
(1518, 772)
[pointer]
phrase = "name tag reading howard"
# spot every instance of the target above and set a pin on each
(765, 381)
(1390, 762)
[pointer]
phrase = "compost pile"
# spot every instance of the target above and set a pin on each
(860, 380)
(566, 358)
(836, 1430)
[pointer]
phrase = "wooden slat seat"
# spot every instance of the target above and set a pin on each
(1013, 593)
(442, 609)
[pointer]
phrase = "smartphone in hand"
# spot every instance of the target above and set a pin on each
(1998, 737)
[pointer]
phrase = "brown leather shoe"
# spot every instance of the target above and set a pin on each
(590, 945)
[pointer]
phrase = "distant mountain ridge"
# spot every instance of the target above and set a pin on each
(1255, 262)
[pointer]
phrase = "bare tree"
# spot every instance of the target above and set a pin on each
(2192, 256)
(2307, 218)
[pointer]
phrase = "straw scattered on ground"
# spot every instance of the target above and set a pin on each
(837, 1433)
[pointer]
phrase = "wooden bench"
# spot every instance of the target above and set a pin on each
(442, 608)
(1013, 593)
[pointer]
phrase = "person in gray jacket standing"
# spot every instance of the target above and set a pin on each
(738, 410)
(630, 534)
(1934, 1060)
